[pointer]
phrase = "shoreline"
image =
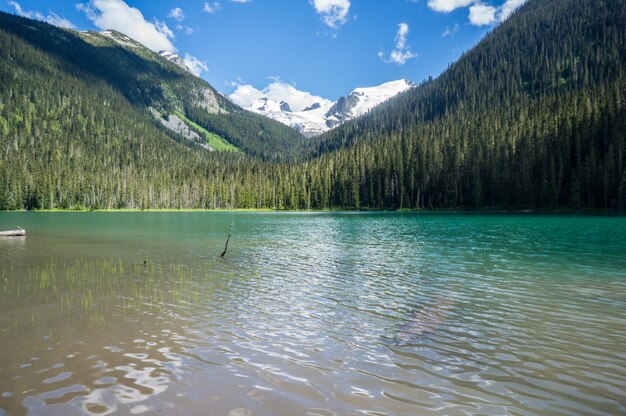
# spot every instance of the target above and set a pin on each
(564, 211)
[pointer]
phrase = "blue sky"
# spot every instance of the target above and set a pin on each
(324, 47)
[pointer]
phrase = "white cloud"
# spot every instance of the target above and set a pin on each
(509, 7)
(162, 28)
(403, 31)
(241, 1)
(334, 12)
(52, 18)
(196, 66)
(117, 15)
(481, 14)
(211, 7)
(451, 32)
(245, 95)
(186, 29)
(402, 52)
(446, 6)
(234, 84)
(400, 57)
(176, 14)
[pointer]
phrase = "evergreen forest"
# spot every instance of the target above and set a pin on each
(534, 116)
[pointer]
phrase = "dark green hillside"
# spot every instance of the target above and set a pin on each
(533, 116)
(547, 48)
(75, 130)
(141, 76)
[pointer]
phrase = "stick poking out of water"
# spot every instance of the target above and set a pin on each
(227, 240)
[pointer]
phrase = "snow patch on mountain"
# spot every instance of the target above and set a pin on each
(172, 57)
(312, 115)
(121, 38)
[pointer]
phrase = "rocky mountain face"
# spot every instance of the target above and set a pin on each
(318, 118)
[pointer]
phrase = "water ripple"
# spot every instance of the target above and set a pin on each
(327, 314)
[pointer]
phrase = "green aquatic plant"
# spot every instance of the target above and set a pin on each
(92, 289)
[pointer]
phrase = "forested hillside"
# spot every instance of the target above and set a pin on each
(34, 52)
(533, 117)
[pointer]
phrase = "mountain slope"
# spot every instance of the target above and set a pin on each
(545, 48)
(320, 116)
(533, 116)
(76, 128)
(148, 81)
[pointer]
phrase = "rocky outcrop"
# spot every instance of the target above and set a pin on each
(177, 125)
(206, 99)
(284, 106)
(342, 110)
(313, 107)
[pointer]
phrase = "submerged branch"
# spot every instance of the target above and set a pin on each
(228, 239)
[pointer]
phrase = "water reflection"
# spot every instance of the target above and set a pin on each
(11, 249)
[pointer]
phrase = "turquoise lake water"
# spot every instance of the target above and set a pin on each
(313, 314)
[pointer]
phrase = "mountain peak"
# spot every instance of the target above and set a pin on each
(317, 118)
(129, 42)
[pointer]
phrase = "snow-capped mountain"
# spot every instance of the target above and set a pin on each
(322, 115)
(361, 100)
(311, 121)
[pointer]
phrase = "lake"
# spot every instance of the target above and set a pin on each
(313, 314)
